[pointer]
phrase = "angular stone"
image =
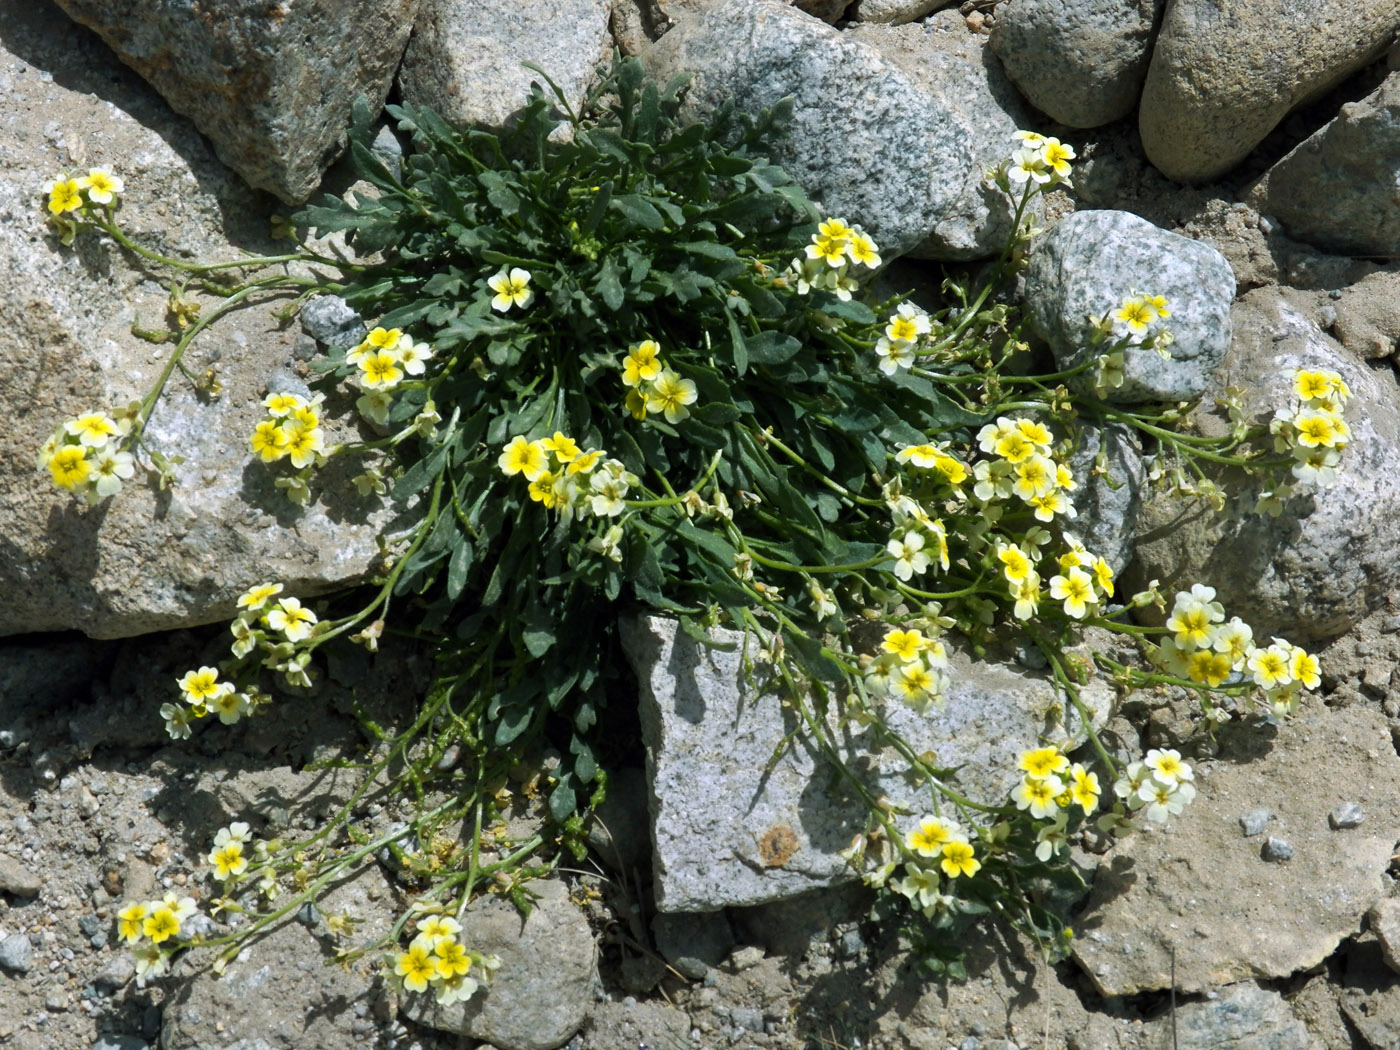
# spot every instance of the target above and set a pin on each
(1329, 559)
(1109, 468)
(1079, 63)
(1340, 188)
(1089, 263)
(1242, 1017)
(144, 560)
(279, 994)
(1223, 75)
(17, 879)
(894, 12)
(465, 57)
(1200, 888)
(868, 141)
(1368, 316)
(729, 831)
(1383, 920)
(270, 84)
(540, 995)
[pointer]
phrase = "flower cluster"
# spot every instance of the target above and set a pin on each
(436, 959)
(1158, 787)
(828, 262)
(1050, 785)
(1082, 583)
(934, 839)
(85, 455)
(566, 478)
(150, 926)
(384, 358)
(1312, 429)
(911, 666)
(1135, 324)
(1041, 160)
(897, 346)
(70, 199)
(290, 430)
(1206, 649)
(1025, 467)
(652, 387)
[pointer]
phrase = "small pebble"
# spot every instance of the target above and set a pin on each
(120, 1042)
(16, 878)
(1254, 822)
(1276, 850)
(16, 954)
(747, 1018)
(746, 958)
(1391, 624)
(1347, 815)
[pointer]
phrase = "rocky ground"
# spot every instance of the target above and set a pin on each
(1268, 905)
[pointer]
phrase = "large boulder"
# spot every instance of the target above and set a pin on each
(270, 84)
(1340, 188)
(732, 825)
(466, 57)
(144, 559)
(1328, 559)
(1087, 265)
(1224, 74)
(1079, 63)
(904, 155)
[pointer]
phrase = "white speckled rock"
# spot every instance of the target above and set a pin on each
(1330, 558)
(1080, 62)
(270, 83)
(903, 156)
(1340, 188)
(1088, 264)
(724, 833)
(464, 59)
(894, 12)
(1225, 72)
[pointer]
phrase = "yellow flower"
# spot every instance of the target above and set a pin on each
(585, 461)
(292, 619)
(1040, 762)
(161, 924)
(64, 195)
(102, 185)
(564, 448)
(642, 364)
(542, 490)
(129, 922)
(269, 441)
(416, 967)
(256, 597)
(636, 405)
(303, 443)
(92, 429)
(931, 836)
(512, 289)
(958, 860)
(70, 466)
(228, 860)
(379, 370)
(200, 685)
(1084, 788)
(523, 457)
(907, 645)
(1136, 314)
(670, 394)
(452, 958)
(1075, 590)
(862, 250)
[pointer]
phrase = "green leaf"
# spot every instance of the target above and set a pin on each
(772, 348)
(639, 211)
(739, 348)
(609, 286)
(500, 192)
(457, 568)
(695, 632)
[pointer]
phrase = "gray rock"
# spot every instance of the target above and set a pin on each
(902, 158)
(270, 85)
(1109, 468)
(17, 879)
(464, 59)
(1337, 188)
(120, 1042)
(1080, 63)
(279, 993)
(1223, 75)
(1347, 815)
(1254, 822)
(1199, 888)
(540, 995)
(1243, 1017)
(1089, 263)
(1383, 920)
(329, 319)
(727, 833)
(693, 942)
(1329, 559)
(120, 968)
(1368, 316)
(1276, 850)
(893, 12)
(16, 954)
